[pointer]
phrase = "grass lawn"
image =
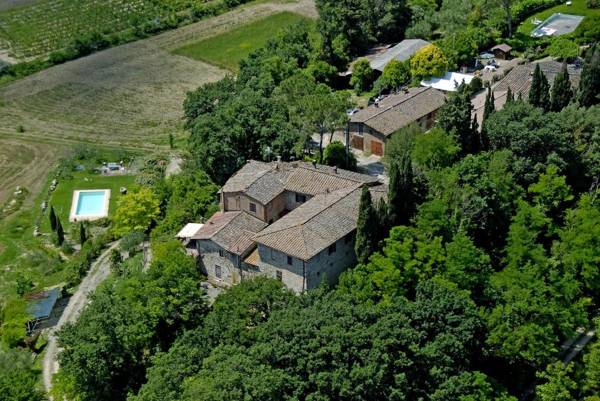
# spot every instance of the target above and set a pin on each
(62, 197)
(227, 49)
(577, 8)
(21, 252)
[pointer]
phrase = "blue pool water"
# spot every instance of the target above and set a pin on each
(90, 203)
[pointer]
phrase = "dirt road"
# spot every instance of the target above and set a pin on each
(98, 273)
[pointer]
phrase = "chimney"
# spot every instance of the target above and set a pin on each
(314, 163)
(376, 104)
(335, 169)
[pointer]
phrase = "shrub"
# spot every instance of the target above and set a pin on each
(395, 74)
(362, 75)
(321, 71)
(563, 49)
(335, 155)
(131, 241)
(524, 8)
(20, 129)
(592, 3)
(428, 61)
(476, 85)
(588, 30)
(136, 211)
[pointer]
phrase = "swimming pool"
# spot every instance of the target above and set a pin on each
(557, 24)
(90, 204)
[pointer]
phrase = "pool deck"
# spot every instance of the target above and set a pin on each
(73, 216)
(557, 24)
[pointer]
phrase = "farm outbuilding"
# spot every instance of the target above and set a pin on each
(380, 56)
(501, 51)
(371, 127)
(41, 307)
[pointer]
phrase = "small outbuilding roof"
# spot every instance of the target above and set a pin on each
(189, 230)
(449, 82)
(401, 52)
(41, 304)
(502, 47)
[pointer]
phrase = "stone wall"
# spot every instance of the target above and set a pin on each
(324, 266)
(328, 266)
(268, 213)
(210, 257)
(273, 261)
(290, 200)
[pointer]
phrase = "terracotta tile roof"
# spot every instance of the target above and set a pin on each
(267, 186)
(264, 181)
(396, 111)
(232, 231)
(246, 176)
(314, 226)
(502, 47)
(312, 180)
(519, 81)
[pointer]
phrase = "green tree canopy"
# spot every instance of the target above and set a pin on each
(562, 93)
(18, 378)
(362, 76)
(395, 74)
(136, 211)
(589, 84)
(335, 155)
(435, 149)
(350, 27)
(539, 93)
(428, 62)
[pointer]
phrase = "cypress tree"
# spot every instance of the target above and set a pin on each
(366, 228)
(82, 233)
(480, 135)
(52, 217)
(401, 203)
(475, 124)
(455, 117)
(60, 233)
(394, 193)
(544, 92)
(520, 97)
(534, 90)
(561, 90)
(383, 220)
(489, 107)
(589, 85)
(539, 93)
(509, 96)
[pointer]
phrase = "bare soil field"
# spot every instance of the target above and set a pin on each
(19, 164)
(129, 96)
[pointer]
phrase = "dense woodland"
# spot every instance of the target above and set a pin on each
(483, 260)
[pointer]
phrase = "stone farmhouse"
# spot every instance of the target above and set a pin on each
(293, 221)
(519, 81)
(372, 126)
